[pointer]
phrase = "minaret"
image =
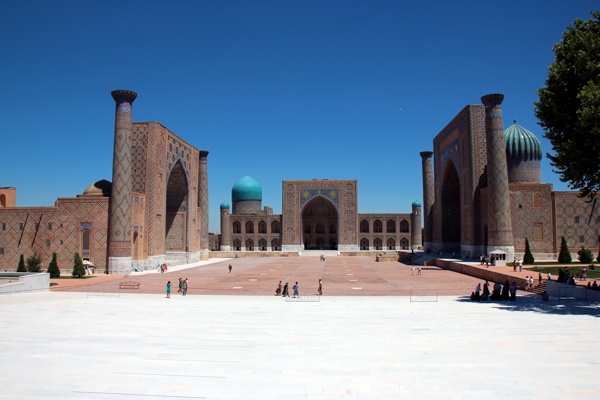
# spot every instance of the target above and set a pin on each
(203, 193)
(428, 197)
(225, 228)
(500, 235)
(415, 226)
(119, 220)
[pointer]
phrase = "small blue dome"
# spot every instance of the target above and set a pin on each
(521, 145)
(416, 203)
(246, 189)
(224, 204)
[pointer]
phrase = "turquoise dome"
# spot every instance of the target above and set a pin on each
(224, 204)
(416, 203)
(246, 189)
(521, 145)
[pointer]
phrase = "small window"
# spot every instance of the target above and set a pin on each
(49, 226)
(47, 242)
(20, 226)
(1, 250)
(4, 226)
(37, 226)
(60, 241)
(577, 219)
(581, 239)
(60, 226)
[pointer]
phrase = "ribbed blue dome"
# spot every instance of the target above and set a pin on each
(521, 144)
(416, 203)
(224, 204)
(246, 189)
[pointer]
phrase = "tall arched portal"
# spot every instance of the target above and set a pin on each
(451, 208)
(177, 209)
(317, 214)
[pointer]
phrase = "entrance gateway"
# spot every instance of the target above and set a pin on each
(320, 215)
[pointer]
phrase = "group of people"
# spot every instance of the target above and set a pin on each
(499, 291)
(419, 270)
(183, 287)
(284, 290)
(529, 281)
(486, 260)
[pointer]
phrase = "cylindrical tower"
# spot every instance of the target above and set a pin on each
(119, 231)
(225, 228)
(415, 228)
(428, 197)
(500, 235)
(203, 193)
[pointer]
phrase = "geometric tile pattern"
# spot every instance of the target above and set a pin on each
(61, 226)
(499, 216)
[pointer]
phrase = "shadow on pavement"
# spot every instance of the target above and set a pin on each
(535, 304)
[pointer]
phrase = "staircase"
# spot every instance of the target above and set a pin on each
(539, 289)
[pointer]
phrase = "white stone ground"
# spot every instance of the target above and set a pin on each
(136, 346)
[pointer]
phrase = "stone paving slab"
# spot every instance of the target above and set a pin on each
(69, 345)
(342, 276)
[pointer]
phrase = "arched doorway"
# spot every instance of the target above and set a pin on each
(320, 212)
(451, 208)
(176, 212)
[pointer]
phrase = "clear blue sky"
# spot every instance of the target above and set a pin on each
(274, 89)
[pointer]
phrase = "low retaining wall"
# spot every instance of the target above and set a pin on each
(24, 282)
(562, 290)
(487, 274)
(242, 254)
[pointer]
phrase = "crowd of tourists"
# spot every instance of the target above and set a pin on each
(508, 291)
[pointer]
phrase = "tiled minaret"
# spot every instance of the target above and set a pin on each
(225, 228)
(500, 235)
(203, 192)
(415, 228)
(119, 230)
(428, 197)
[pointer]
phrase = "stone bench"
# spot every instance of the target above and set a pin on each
(387, 257)
(129, 285)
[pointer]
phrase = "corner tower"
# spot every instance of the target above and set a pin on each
(428, 196)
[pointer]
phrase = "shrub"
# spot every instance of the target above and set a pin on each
(564, 257)
(528, 258)
(585, 256)
(53, 269)
(34, 263)
(21, 267)
(78, 269)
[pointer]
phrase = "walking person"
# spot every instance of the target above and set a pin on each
(169, 290)
(230, 268)
(419, 271)
(296, 288)
(285, 290)
(412, 269)
(180, 285)
(320, 287)
(185, 286)
(279, 289)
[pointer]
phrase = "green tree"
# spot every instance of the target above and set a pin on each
(78, 269)
(568, 108)
(21, 267)
(585, 256)
(34, 263)
(564, 257)
(528, 258)
(53, 269)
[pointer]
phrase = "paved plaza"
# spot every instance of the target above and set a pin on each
(88, 344)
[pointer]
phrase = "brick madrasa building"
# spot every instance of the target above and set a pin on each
(484, 194)
(154, 212)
